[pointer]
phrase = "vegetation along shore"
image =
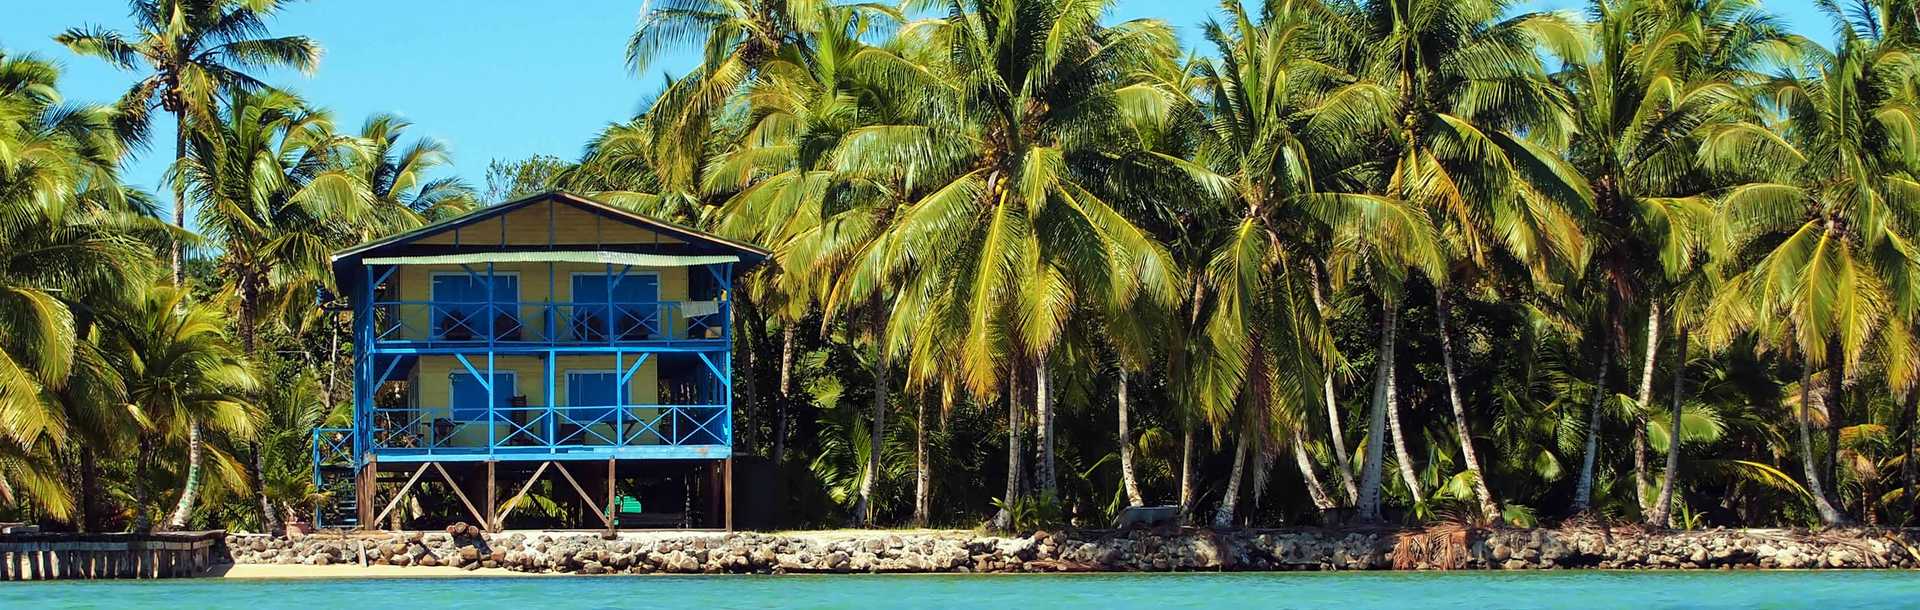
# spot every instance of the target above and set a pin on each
(1588, 288)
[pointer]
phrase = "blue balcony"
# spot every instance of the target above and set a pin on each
(475, 324)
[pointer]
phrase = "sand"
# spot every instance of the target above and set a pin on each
(278, 571)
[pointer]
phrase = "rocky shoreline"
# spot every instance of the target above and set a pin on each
(1093, 551)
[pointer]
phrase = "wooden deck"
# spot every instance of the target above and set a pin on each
(67, 556)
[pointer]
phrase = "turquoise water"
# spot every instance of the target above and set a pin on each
(1824, 590)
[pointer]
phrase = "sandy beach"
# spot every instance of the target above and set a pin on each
(296, 571)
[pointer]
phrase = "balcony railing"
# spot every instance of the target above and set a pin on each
(465, 323)
(434, 430)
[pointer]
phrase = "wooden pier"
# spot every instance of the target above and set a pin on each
(49, 556)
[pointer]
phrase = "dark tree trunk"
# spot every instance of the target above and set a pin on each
(786, 394)
(89, 491)
(1015, 427)
(1908, 473)
(1661, 513)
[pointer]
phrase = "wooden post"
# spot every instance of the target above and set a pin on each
(727, 469)
(609, 508)
(713, 493)
(493, 499)
(366, 486)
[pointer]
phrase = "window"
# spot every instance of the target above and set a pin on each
(635, 312)
(592, 389)
(460, 305)
(469, 398)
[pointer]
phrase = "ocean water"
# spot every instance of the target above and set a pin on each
(1563, 589)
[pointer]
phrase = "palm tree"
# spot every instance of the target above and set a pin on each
(1827, 219)
(1283, 125)
(1659, 73)
(73, 243)
(1001, 159)
(272, 193)
(788, 191)
(193, 50)
(184, 376)
(1467, 84)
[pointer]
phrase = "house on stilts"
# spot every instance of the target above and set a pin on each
(554, 355)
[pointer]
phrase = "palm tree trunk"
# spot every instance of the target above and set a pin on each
(1043, 429)
(922, 470)
(1402, 458)
(1645, 398)
(89, 490)
(1307, 474)
(876, 439)
(179, 197)
(1462, 427)
(1663, 505)
(183, 511)
(1187, 475)
(1341, 458)
(256, 467)
(1004, 519)
(1810, 462)
(1223, 518)
(786, 394)
(1583, 489)
(1127, 478)
(1909, 475)
(1369, 500)
(1836, 406)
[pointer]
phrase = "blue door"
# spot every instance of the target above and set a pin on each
(460, 306)
(635, 312)
(591, 397)
(470, 398)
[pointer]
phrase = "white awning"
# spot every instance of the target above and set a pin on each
(594, 257)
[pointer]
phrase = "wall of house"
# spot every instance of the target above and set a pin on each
(432, 387)
(414, 283)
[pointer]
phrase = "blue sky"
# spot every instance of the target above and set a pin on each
(493, 79)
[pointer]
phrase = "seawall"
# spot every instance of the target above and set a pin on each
(931, 551)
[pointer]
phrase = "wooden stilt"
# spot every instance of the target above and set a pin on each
(608, 510)
(403, 492)
(500, 521)
(457, 492)
(714, 519)
(365, 484)
(727, 470)
(492, 524)
(584, 496)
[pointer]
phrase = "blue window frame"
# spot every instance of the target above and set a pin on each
(636, 306)
(470, 398)
(593, 389)
(460, 305)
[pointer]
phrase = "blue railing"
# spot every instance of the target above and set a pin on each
(551, 323)
(433, 430)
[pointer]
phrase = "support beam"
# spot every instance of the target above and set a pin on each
(459, 493)
(612, 472)
(366, 483)
(403, 491)
(727, 468)
(493, 498)
(584, 496)
(507, 509)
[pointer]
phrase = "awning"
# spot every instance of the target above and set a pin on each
(593, 257)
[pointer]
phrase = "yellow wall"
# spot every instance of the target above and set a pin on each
(414, 283)
(432, 386)
(526, 226)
